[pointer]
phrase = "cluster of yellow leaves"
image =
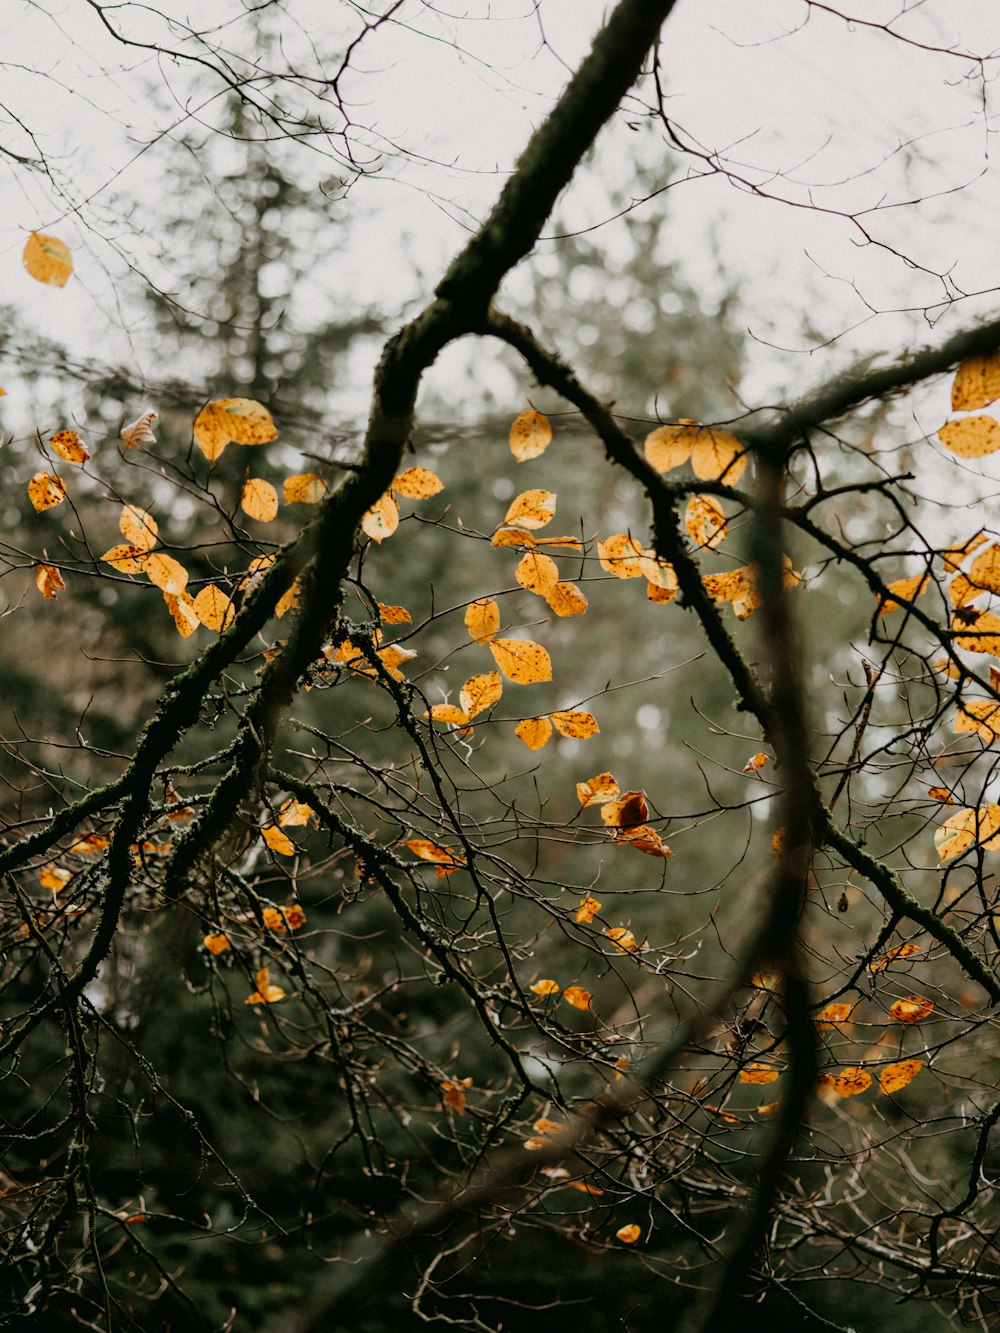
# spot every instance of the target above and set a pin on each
(853, 1080)
(349, 655)
(575, 996)
(416, 483)
(626, 558)
(714, 454)
(521, 660)
(539, 574)
(575, 724)
(624, 816)
(446, 862)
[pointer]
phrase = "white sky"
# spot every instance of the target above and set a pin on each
(816, 112)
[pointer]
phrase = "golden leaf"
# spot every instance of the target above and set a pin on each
(629, 1234)
(294, 915)
(627, 812)
(755, 762)
(980, 717)
(534, 732)
(894, 1077)
(668, 447)
(705, 521)
(576, 724)
(418, 483)
(718, 456)
(512, 536)
(962, 590)
(544, 1126)
(382, 519)
(480, 692)
(45, 491)
(977, 634)
(972, 437)
(213, 608)
(522, 660)
(587, 910)
(953, 556)
(566, 599)
(48, 580)
(965, 828)
(597, 789)
(295, 814)
(778, 841)
(393, 657)
(984, 571)
(583, 1187)
(537, 573)
(892, 955)
(911, 1010)
(90, 845)
(216, 943)
(305, 488)
(450, 714)
(645, 839)
(47, 259)
(265, 992)
(453, 1094)
(545, 987)
(831, 1016)
(446, 861)
(259, 500)
(138, 527)
(232, 421)
(165, 572)
(758, 1073)
(127, 559)
(942, 794)
(394, 615)
(532, 509)
(622, 938)
(482, 619)
(140, 431)
(850, 1081)
(902, 590)
(278, 841)
(69, 446)
(530, 435)
(976, 383)
(181, 607)
(288, 599)
(622, 556)
(54, 878)
(577, 997)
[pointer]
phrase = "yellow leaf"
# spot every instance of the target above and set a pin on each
(629, 1234)
(273, 920)
(288, 599)
(259, 500)
(181, 607)
(972, 437)
(942, 794)
(981, 717)
(54, 878)
(48, 580)
(566, 599)
(140, 431)
(668, 447)
(295, 814)
(165, 572)
(394, 615)
(622, 556)
(755, 762)
(480, 692)
(532, 509)
(718, 456)
(278, 841)
(587, 910)
(232, 420)
(382, 519)
(446, 861)
(850, 1081)
(778, 841)
(90, 845)
(758, 1073)
(450, 714)
(530, 436)
(955, 555)
(453, 1094)
(727, 1116)
(897, 1076)
(965, 828)
(911, 1010)
(570, 543)
(596, 790)
(576, 724)
(628, 812)
(305, 488)
(705, 521)
(544, 1126)
(892, 955)
(512, 536)
(522, 660)
(831, 1016)
(482, 619)
(976, 383)
(545, 987)
(216, 943)
(45, 491)
(69, 446)
(265, 992)
(902, 590)
(127, 559)
(962, 590)
(537, 573)
(583, 1187)
(47, 259)
(622, 938)
(984, 572)
(418, 483)
(977, 633)
(393, 657)
(138, 527)
(534, 732)
(294, 915)
(577, 997)
(645, 839)
(213, 608)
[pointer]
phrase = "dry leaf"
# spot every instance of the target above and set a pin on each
(140, 431)
(165, 572)
(480, 692)
(138, 527)
(575, 724)
(902, 590)
(597, 789)
(622, 556)
(213, 608)
(577, 997)
(966, 828)
(587, 910)
(755, 762)
(265, 992)
(911, 1010)
(453, 1094)
(278, 841)
(446, 861)
(758, 1073)
(126, 559)
(216, 943)
(45, 491)
(893, 955)
(850, 1081)
(629, 1234)
(622, 938)
(831, 1016)
(545, 987)
(894, 1077)
(976, 383)
(69, 446)
(705, 521)
(295, 814)
(537, 573)
(48, 580)
(566, 599)
(181, 607)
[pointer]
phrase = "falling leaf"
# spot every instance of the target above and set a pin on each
(972, 437)
(831, 1016)
(577, 997)
(911, 1010)
(446, 861)
(534, 732)
(755, 762)
(894, 1077)
(453, 1095)
(629, 1234)
(382, 519)
(587, 910)
(566, 599)
(69, 446)
(265, 992)
(480, 692)
(305, 488)
(482, 619)
(47, 259)
(966, 828)
(976, 383)
(213, 608)
(902, 590)
(545, 987)
(622, 938)
(521, 660)
(259, 500)
(140, 431)
(216, 943)
(181, 607)
(893, 955)
(537, 573)
(758, 1073)
(165, 572)
(232, 421)
(627, 812)
(48, 580)
(278, 841)
(530, 435)
(575, 724)
(705, 521)
(45, 491)
(532, 509)
(418, 483)
(596, 790)
(850, 1081)
(138, 527)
